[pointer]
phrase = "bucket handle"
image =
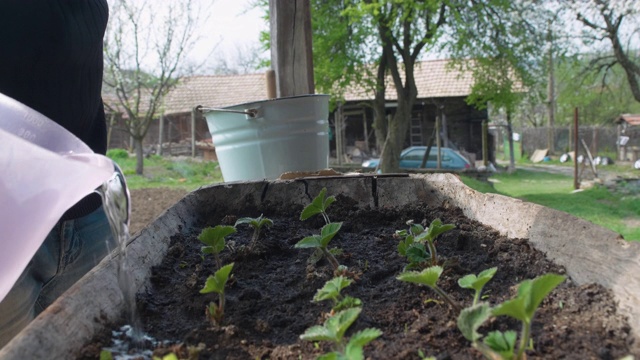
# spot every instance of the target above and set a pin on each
(252, 113)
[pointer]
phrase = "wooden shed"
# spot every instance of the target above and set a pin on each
(628, 137)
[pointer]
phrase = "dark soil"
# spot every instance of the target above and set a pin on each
(269, 300)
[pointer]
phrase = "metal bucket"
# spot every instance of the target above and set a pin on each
(262, 140)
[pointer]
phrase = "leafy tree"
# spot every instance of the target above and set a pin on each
(347, 54)
(618, 23)
(404, 29)
(145, 52)
(600, 95)
(488, 30)
(503, 51)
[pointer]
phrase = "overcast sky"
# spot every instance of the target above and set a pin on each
(231, 24)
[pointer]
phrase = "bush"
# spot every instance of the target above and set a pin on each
(118, 154)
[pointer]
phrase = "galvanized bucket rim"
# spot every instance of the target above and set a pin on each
(252, 104)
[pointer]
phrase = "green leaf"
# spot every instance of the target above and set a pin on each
(264, 222)
(246, 220)
(363, 337)
(329, 356)
(530, 295)
(318, 205)
(313, 241)
(416, 229)
(470, 320)
(346, 303)
(319, 333)
(169, 356)
(352, 352)
(207, 250)
(404, 245)
(503, 343)
(106, 355)
(436, 228)
(477, 282)
(214, 236)
(328, 232)
(256, 223)
(514, 308)
(333, 328)
(539, 289)
(428, 276)
(341, 321)
(216, 282)
(417, 253)
(332, 288)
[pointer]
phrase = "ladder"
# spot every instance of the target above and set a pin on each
(415, 135)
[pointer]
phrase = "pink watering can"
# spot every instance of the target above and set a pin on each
(37, 157)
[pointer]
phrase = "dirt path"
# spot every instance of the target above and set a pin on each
(148, 204)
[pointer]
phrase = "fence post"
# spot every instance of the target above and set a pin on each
(485, 144)
(576, 183)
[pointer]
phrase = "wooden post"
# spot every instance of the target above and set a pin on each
(576, 183)
(161, 135)
(366, 138)
(112, 120)
(438, 143)
(444, 126)
(485, 143)
(338, 134)
(194, 115)
(270, 77)
(291, 53)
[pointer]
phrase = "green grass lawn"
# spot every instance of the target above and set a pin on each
(618, 211)
(186, 173)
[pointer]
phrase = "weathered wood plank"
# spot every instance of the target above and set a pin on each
(291, 50)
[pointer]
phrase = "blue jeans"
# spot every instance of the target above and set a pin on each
(71, 249)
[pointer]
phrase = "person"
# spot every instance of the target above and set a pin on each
(52, 61)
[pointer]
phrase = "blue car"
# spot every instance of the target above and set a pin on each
(411, 158)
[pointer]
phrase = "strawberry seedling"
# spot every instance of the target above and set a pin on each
(216, 283)
(418, 244)
(502, 345)
(476, 283)
(429, 277)
(331, 291)
(257, 224)
(213, 238)
(334, 329)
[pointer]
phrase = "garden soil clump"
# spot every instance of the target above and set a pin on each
(269, 299)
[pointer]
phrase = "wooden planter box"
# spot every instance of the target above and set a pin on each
(590, 254)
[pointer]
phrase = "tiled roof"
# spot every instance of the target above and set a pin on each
(433, 80)
(631, 119)
(215, 91)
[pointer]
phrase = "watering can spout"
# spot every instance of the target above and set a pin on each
(45, 170)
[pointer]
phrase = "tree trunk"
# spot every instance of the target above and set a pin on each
(137, 143)
(397, 132)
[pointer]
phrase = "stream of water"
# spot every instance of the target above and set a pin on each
(116, 202)
(129, 342)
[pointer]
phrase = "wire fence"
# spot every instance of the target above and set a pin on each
(602, 141)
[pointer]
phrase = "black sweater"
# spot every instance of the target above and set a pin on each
(51, 60)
